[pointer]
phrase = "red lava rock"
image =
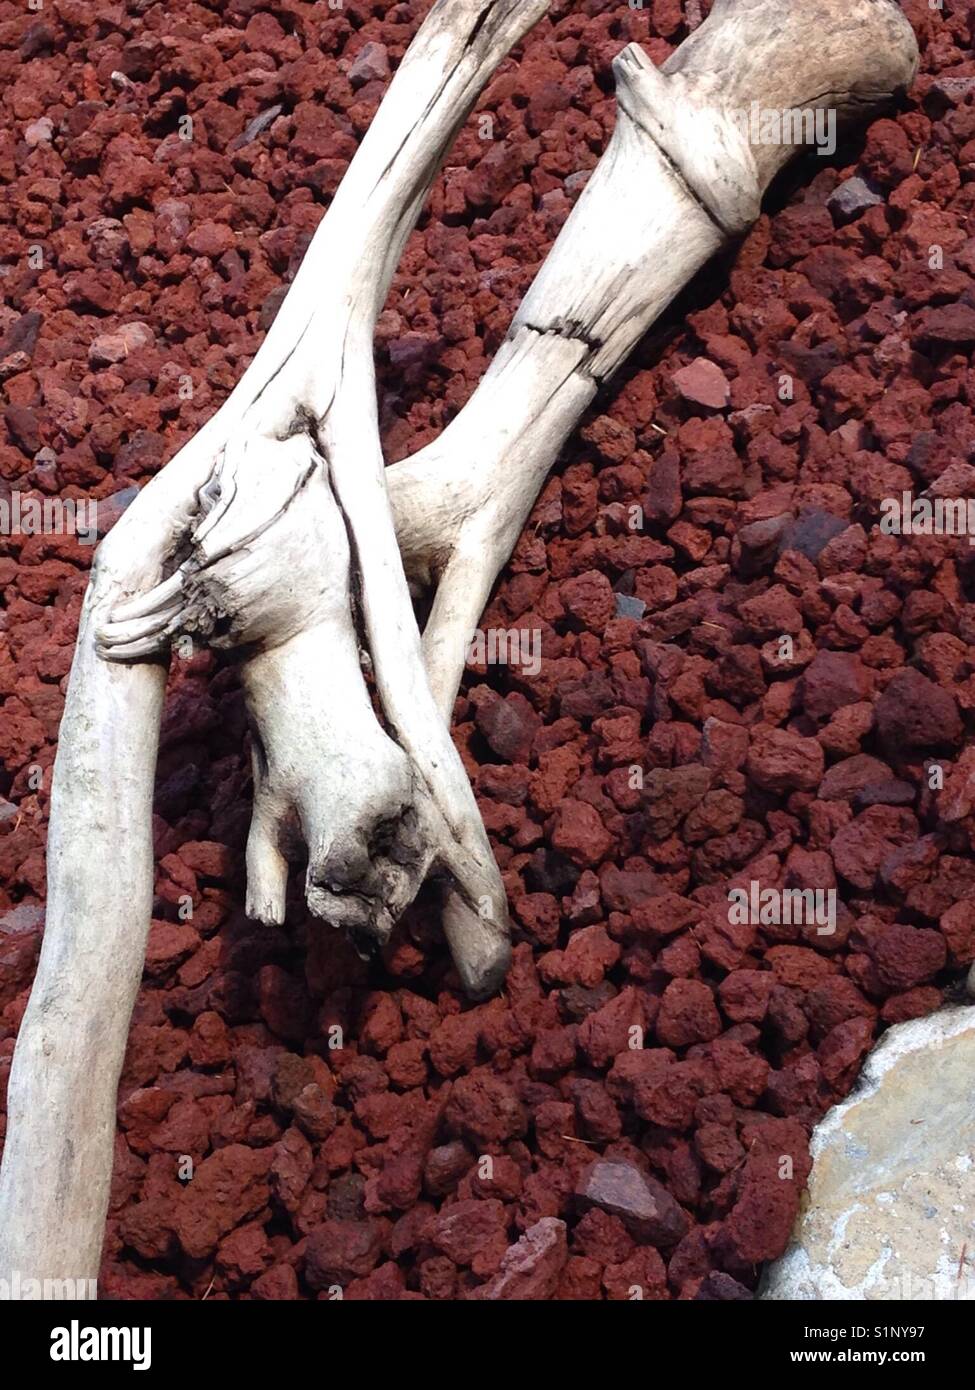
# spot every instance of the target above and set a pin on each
(291, 1168)
(858, 850)
(703, 383)
(598, 1117)
(779, 761)
(185, 1129)
(913, 712)
(406, 1064)
(602, 1236)
(371, 65)
(957, 799)
(907, 956)
(744, 995)
(445, 1166)
(382, 1024)
(339, 1251)
(589, 600)
(228, 1187)
(760, 1222)
(144, 1108)
(718, 1147)
(168, 944)
(846, 780)
(740, 1073)
(467, 1229)
(671, 1100)
(245, 1254)
(210, 1042)
(278, 1284)
(798, 967)
(509, 725)
(109, 348)
(609, 1030)
(484, 1109)
(913, 1003)
(670, 795)
(453, 1045)
(834, 1001)
(688, 1014)
(438, 1278)
(578, 832)
(211, 239)
(20, 933)
(832, 680)
(643, 1271)
(207, 859)
(315, 1112)
(952, 325)
(553, 1052)
(530, 1268)
(589, 954)
(843, 1049)
(669, 746)
(958, 929)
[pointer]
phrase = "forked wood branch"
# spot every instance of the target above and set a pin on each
(300, 426)
(258, 534)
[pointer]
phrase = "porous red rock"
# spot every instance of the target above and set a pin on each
(703, 383)
(832, 680)
(530, 1269)
(484, 1109)
(228, 1187)
(670, 745)
(579, 833)
(687, 1014)
(914, 712)
(337, 1252)
(906, 956)
(780, 761)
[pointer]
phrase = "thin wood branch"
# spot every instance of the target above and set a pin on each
(682, 175)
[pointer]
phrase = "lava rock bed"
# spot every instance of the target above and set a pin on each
(671, 1170)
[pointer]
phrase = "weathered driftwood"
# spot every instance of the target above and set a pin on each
(678, 179)
(259, 532)
(299, 428)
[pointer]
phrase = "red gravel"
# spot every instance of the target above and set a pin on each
(523, 1147)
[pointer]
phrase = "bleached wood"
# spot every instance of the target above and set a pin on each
(677, 179)
(293, 413)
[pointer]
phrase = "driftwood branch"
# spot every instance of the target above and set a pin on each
(306, 406)
(679, 179)
(260, 532)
